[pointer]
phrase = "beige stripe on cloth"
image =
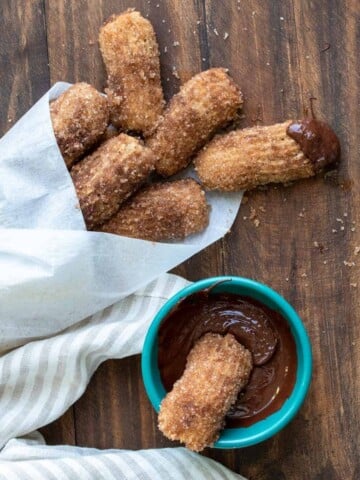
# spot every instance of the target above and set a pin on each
(40, 380)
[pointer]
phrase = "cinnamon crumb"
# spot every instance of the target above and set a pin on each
(175, 72)
(252, 213)
(321, 248)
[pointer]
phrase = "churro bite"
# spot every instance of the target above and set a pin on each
(107, 177)
(217, 368)
(208, 101)
(79, 117)
(280, 153)
(162, 211)
(131, 56)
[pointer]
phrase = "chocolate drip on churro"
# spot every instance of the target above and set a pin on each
(316, 140)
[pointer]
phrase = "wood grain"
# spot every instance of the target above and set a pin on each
(23, 60)
(282, 53)
(62, 431)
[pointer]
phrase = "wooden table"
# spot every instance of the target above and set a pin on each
(283, 54)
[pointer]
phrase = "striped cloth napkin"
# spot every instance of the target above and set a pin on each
(41, 379)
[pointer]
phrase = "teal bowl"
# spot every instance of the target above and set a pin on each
(263, 429)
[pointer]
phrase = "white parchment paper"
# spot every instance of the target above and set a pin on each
(53, 273)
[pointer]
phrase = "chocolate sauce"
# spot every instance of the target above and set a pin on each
(263, 331)
(317, 141)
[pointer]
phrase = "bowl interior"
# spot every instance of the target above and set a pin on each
(263, 429)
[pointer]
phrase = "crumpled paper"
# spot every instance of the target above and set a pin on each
(53, 272)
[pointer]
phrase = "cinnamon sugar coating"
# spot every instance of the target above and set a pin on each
(107, 177)
(131, 56)
(162, 211)
(206, 102)
(244, 159)
(193, 412)
(79, 117)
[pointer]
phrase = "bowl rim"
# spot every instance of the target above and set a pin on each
(291, 405)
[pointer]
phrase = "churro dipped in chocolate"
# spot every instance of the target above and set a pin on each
(193, 412)
(79, 117)
(205, 103)
(131, 56)
(107, 177)
(162, 211)
(280, 153)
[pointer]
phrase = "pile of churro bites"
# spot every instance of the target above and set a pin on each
(116, 144)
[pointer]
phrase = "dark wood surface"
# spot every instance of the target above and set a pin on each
(282, 53)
